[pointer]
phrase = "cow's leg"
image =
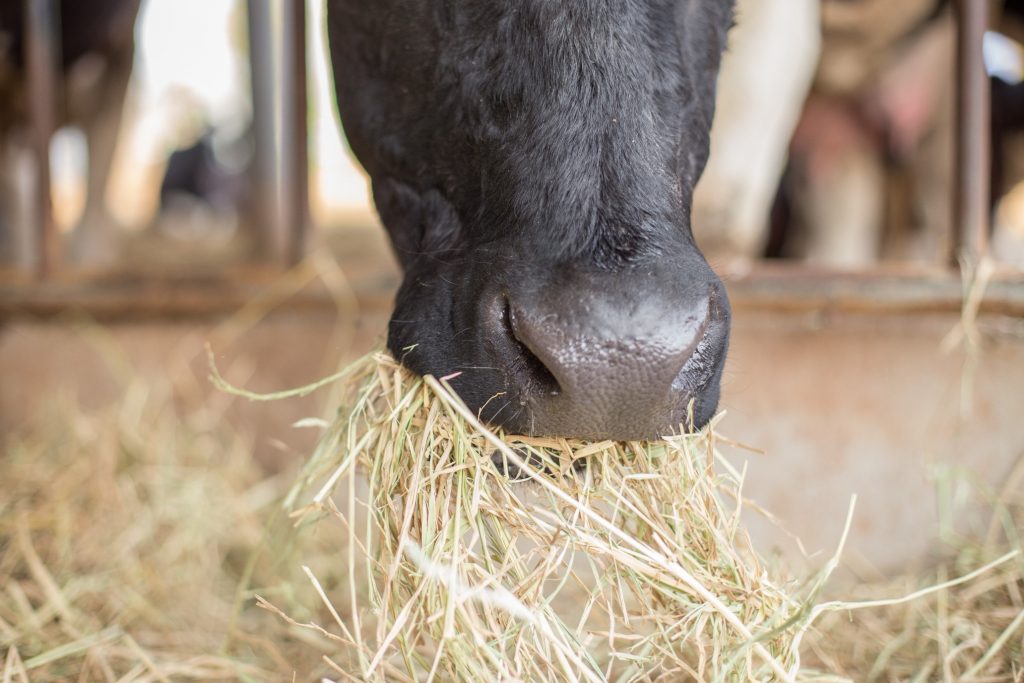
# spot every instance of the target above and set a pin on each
(765, 77)
(840, 183)
(9, 247)
(17, 241)
(95, 239)
(933, 172)
(1008, 226)
(914, 103)
(844, 211)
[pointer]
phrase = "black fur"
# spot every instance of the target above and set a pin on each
(511, 140)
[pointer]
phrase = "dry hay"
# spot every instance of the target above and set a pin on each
(134, 543)
(616, 561)
(128, 539)
(466, 568)
(970, 632)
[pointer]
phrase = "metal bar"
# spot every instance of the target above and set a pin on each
(874, 292)
(973, 137)
(777, 290)
(294, 133)
(42, 59)
(149, 298)
(267, 207)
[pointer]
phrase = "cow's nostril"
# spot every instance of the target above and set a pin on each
(699, 367)
(538, 376)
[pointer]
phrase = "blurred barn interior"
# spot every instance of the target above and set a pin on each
(875, 271)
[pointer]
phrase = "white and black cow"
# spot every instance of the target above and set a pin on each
(96, 50)
(534, 164)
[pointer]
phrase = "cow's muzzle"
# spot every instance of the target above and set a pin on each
(624, 355)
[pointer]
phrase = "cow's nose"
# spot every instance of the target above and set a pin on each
(620, 362)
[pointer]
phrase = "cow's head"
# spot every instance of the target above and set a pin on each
(534, 163)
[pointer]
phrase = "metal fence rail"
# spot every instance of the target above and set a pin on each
(973, 134)
(42, 57)
(280, 176)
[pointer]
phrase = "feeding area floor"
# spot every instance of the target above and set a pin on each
(142, 542)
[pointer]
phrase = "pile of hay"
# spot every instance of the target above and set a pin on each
(129, 537)
(139, 543)
(971, 631)
(615, 561)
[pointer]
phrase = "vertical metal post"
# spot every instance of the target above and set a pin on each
(42, 59)
(268, 214)
(294, 133)
(973, 137)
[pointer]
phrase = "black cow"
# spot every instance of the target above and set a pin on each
(534, 163)
(195, 174)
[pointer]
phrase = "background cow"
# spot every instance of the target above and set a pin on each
(97, 48)
(767, 73)
(860, 95)
(204, 189)
(881, 107)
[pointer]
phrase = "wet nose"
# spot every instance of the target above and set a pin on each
(623, 361)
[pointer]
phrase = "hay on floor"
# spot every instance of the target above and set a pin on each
(614, 561)
(129, 537)
(138, 544)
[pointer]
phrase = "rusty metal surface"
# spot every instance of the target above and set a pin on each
(42, 57)
(39, 362)
(973, 134)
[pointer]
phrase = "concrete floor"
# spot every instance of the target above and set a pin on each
(853, 404)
